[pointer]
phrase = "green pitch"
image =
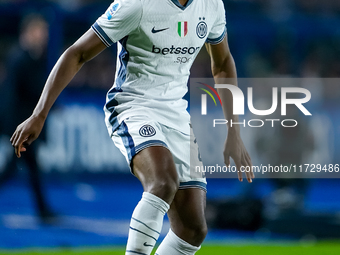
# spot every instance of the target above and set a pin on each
(290, 249)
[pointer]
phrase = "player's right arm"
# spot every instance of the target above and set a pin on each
(118, 21)
(84, 49)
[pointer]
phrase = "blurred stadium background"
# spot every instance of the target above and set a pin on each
(85, 179)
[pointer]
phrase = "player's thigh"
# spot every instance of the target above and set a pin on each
(142, 141)
(187, 215)
(155, 168)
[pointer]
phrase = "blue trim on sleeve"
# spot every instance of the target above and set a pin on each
(102, 35)
(218, 39)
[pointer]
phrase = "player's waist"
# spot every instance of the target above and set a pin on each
(168, 95)
(174, 118)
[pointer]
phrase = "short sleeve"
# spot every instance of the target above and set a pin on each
(219, 29)
(119, 20)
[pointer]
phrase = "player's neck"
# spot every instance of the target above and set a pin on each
(183, 2)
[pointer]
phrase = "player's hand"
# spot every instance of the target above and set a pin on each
(26, 133)
(235, 149)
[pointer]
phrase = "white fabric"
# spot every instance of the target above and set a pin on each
(158, 42)
(130, 138)
(121, 18)
(146, 224)
(173, 245)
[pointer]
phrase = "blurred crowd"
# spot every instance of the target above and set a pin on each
(268, 38)
(308, 6)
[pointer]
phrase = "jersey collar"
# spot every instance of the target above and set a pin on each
(176, 2)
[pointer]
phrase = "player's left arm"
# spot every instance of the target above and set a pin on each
(224, 72)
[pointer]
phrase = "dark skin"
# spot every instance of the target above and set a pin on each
(155, 169)
(153, 166)
(224, 71)
(183, 2)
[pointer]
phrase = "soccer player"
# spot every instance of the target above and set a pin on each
(145, 113)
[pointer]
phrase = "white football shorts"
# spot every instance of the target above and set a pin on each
(139, 132)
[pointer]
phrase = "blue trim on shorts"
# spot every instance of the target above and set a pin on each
(129, 145)
(193, 184)
(147, 144)
(143, 146)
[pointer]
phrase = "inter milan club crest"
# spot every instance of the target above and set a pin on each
(182, 28)
(147, 131)
(202, 28)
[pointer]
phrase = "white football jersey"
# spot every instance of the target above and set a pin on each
(158, 41)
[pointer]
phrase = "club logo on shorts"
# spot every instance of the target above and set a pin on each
(147, 131)
(201, 29)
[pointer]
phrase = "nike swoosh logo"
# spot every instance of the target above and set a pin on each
(154, 31)
(146, 244)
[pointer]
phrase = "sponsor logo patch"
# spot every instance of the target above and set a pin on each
(111, 11)
(174, 50)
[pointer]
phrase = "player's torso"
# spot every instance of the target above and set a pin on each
(154, 61)
(170, 37)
